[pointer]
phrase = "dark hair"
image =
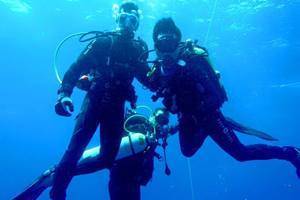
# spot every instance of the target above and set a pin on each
(168, 26)
(129, 6)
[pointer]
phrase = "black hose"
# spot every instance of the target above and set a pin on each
(94, 35)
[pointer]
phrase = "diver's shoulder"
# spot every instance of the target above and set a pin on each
(141, 48)
(190, 49)
(105, 39)
(140, 43)
(195, 48)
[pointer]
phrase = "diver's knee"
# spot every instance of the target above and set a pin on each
(241, 156)
(187, 152)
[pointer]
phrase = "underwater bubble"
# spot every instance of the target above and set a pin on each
(115, 10)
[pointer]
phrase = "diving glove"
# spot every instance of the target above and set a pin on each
(64, 106)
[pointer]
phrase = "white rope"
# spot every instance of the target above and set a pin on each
(212, 17)
(191, 178)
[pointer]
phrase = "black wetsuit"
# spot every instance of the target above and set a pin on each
(194, 92)
(128, 175)
(114, 61)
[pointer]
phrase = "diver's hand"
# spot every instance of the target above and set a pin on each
(64, 106)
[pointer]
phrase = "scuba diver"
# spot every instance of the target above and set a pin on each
(133, 166)
(183, 76)
(114, 59)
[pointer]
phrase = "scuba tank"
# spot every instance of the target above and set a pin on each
(130, 145)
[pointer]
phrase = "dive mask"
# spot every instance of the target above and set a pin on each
(128, 21)
(166, 43)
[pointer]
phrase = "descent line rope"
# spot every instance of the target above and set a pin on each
(212, 17)
(191, 178)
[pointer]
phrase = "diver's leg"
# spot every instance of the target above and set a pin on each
(120, 189)
(230, 143)
(85, 127)
(125, 178)
(89, 165)
(111, 132)
(191, 135)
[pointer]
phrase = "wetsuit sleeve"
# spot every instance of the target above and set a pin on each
(141, 67)
(88, 59)
(141, 74)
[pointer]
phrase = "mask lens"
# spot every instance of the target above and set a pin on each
(166, 43)
(128, 21)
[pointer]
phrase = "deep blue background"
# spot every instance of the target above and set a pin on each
(254, 43)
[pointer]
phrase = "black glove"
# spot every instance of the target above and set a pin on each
(64, 106)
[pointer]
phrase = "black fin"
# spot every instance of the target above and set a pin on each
(30, 195)
(33, 191)
(249, 131)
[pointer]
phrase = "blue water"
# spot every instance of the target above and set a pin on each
(254, 43)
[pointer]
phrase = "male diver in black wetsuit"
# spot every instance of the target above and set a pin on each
(183, 76)
(114, 60)
(133, 166)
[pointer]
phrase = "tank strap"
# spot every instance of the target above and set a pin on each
(131, 144)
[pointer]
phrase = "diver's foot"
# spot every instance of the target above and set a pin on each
(296, 161)
(33, 191)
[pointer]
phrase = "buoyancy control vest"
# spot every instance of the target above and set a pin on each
(194, 87)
